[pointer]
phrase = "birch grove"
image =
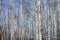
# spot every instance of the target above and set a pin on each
(29, 19)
